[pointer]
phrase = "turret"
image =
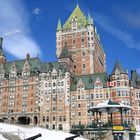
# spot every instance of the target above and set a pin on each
(89, 20)
(59, 26)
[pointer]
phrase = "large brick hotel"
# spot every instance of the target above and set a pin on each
(58, 94)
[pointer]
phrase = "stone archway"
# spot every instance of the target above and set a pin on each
(12, 120)
(24, 120)
(35, 120)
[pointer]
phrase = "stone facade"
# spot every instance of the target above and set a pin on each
(58, 94)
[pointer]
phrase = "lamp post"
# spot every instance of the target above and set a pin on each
(100, 125)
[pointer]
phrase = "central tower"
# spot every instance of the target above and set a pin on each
(83, 43)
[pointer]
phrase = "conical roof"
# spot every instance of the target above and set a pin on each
(65, 53)
(59, 27)
(118, 67)
(89, 20)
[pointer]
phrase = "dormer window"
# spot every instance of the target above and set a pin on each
(117, 76)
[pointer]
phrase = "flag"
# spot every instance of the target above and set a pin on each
(111, 84)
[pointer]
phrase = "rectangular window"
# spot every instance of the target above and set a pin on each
(84, 65)
(79, 113)
(53, 118)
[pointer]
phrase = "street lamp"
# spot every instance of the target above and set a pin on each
(100, 125)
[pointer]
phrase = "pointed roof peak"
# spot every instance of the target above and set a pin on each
(89, 19)
(59, 26)
(118, 67)
(65, 53)
(78, 16)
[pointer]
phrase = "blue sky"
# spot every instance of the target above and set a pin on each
(30, 25)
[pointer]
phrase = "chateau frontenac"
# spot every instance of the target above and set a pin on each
(58, 95)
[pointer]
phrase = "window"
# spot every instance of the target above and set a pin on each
(101, 96)
(78, 96)
(47, 119)
(83, 53)
(79, 113)
(64, 118)
(54, 99)
(74, 66)
(60, 127)
(49, 84)
(43, 119)
(97, 96)
(84, 65)
(91, 96)
(53, 108)
(62, 83)
(60, 118)
(53, 126)
(125, 83)
(82, 40)
(107, 95)
(58, 83)
(79, 105)
(118, 83)
(54, 90)
(54, 84)
(53, 118)
(118, 93)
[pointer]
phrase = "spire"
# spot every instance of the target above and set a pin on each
(59, 27)
(118, 67)
(89, 20)
(1, 51)
(65, 53)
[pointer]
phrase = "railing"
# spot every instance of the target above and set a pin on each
(105, 126)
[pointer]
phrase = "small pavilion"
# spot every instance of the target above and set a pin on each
(118, 132)
(109, 107)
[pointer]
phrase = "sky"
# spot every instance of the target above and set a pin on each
(29, 26)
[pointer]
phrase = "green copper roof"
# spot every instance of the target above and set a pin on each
(89, 80)
(46, 67)
(59, 27)
(65, 53)
(80, 18)
(119, 67)
(33, 62)
(89, 20)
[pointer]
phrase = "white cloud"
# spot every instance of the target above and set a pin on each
(126, 38)
(14, 27)
(12, 32)
(36, 11)
(131, 18)
(138, 70)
